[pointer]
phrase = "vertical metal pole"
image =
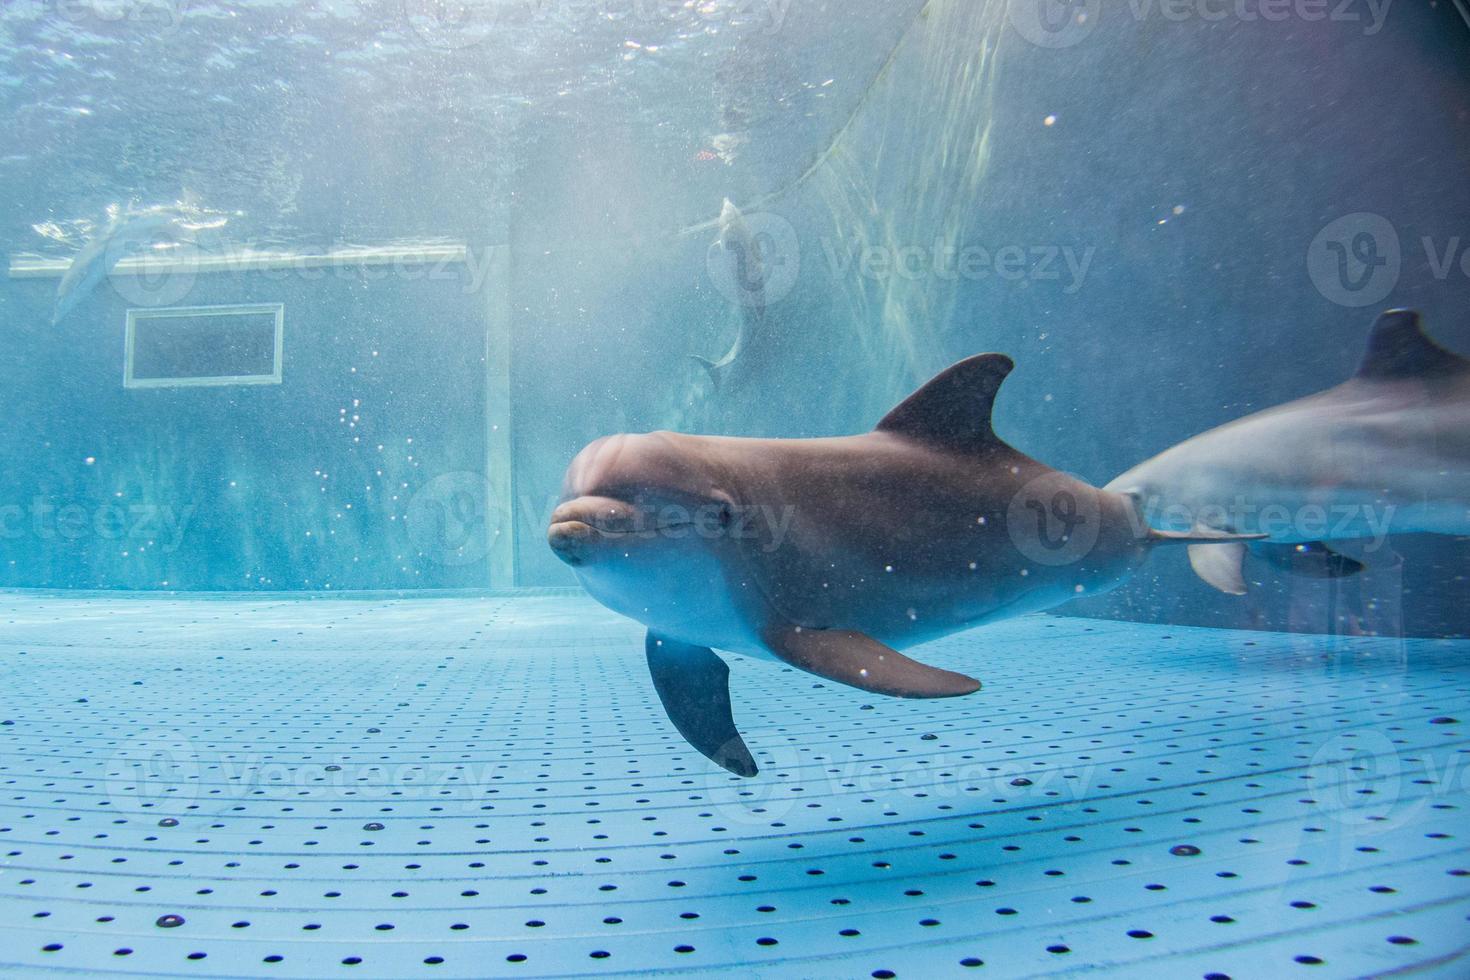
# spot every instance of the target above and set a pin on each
(500, 521)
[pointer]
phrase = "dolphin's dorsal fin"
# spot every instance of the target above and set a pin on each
(953, 409)
(1399, 348)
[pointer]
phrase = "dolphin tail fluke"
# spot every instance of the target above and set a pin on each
(62, 307)
(711, 367)
(694, 685)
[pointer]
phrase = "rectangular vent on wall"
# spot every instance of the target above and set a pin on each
(197, 346)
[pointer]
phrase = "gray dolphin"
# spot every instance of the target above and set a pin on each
(736, 253)
(122, 237)
(1388, 450)
(827, 554)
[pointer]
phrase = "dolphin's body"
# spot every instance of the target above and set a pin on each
(122, 237)
(736, 251)
(827, 554)
(1388, 450)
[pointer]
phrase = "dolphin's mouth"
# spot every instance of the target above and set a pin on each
(578, 526)
(572, 541)
(613, 517)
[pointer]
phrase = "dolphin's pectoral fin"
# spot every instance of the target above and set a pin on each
(1220, 565)
(1312, 559)
(1198, 535)
(852, 658)
(694, 685)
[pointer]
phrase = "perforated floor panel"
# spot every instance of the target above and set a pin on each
(488, 787)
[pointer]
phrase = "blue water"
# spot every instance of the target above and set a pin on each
(283, 612)
(1137, 209)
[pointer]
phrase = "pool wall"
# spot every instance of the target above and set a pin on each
(1145, 292)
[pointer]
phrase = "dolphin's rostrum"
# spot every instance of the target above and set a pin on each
(828, 554)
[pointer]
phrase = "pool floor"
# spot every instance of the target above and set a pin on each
(472, 787)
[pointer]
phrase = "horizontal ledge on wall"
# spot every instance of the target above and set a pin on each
(249, 260)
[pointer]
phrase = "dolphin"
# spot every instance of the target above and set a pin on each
(123, 236)
(1386, 451)
(830, 554)
(737, 254)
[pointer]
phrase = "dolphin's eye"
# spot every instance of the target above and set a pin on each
(727, 514)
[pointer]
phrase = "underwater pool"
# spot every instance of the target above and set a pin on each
(475, 787)
(776, 488)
